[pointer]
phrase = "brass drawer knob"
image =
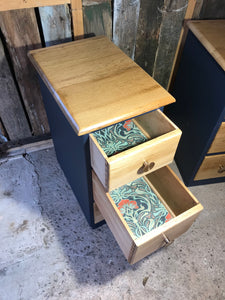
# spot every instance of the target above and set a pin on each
(146, 167)
(221, 169)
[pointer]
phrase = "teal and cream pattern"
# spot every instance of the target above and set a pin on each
(140, 207)
(119, 137)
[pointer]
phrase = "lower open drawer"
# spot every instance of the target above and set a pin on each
(140, 233)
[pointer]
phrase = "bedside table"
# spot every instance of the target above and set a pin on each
(98, 99)
(199, 89)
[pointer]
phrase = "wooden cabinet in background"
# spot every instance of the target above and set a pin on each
(199, 111)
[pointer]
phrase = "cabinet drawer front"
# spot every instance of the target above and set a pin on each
(212, 167)
(173, 195)
(218, 144)
(157, 151)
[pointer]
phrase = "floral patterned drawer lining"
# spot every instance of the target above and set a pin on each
(119, 137)
(140, 207)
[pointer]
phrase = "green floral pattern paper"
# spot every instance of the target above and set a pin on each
(119, 137)
(140, 207)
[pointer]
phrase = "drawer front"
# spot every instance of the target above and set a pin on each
(175, 197)
(213, 166)
(218, 144)
(156, 152)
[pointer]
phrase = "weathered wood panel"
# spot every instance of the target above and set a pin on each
(147, 41)
(197, 9)
(11, 110)
(191, 8)
(212, 9)
(125, 23)
(56, 24)
(21, 32)
(98, 18)
(173, 13)
(20, 4)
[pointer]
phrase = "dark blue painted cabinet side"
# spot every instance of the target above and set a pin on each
(199, 90)
(73, 154)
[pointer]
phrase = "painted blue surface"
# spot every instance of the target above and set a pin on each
(199, 90)
(73, 155)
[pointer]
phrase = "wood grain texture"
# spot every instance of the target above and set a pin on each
(210, 167)
(212, 9)
(173, 13)
(171, 230)
(147, 40)
(21, 33)
(171, 188)
(126, 166)
(197, 9)
(56, 24)
(125, 22)
(77, 17)
(20, 4)
(11, 110)
(111, 214)
(211, 33)
(99, 161)
(97, 214)
(98, 18)
(218, 144)
(96, 84)
(180, 46)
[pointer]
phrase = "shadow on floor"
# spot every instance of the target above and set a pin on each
(93, 254)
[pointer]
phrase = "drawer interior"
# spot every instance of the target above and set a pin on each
(141, 206)
(120, 137)
(120, 155)
(127, 134)
(143, 223)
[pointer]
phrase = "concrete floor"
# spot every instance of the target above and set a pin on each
(48, 251)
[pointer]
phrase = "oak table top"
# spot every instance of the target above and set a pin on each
(211, 33)
(95, 84)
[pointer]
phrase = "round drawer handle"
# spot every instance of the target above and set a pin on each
(221, 169)
(146, 167)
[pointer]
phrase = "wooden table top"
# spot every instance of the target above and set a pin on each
(95, 84)
(211, 33)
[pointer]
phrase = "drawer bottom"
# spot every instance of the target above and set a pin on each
(178, 211)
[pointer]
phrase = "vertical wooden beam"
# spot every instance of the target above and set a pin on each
(173, 13)
(11, 111)
(56, 24)
(21, 33)
(125, 22)
(77, 16)
(197, 9)
(147, 41)
(189, 14)
(97, 18)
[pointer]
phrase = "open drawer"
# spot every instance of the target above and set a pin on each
(157, 138)
(138, 233)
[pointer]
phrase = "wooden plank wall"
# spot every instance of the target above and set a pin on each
(147, 31)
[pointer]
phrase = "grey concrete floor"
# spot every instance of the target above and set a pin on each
(48, 251)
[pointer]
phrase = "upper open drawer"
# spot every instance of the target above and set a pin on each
(128, 150)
